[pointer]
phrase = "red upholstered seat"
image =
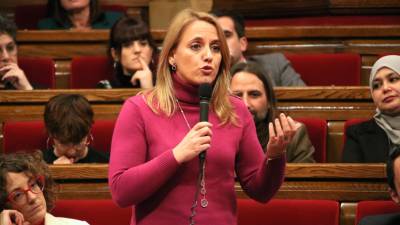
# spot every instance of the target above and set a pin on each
(319, 69)
(367, 208)
(288, 212)
(40, 71)
(93, 211)
(31, 135)
(87, 71)
(317, 130)
(28, 16)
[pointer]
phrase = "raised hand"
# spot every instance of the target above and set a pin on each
(196, 141)
(281, 135)
(11, 217)
(13, 74)
(144, 75)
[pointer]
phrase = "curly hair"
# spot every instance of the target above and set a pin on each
(32, 165)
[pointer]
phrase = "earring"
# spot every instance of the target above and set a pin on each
(115, 64)
(173, 67)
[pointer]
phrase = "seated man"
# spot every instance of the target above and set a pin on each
(393, 179)
(253, 86)
(277, 66)
(11, 76)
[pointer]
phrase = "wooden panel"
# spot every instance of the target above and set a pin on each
(348, 213)
(335, 104)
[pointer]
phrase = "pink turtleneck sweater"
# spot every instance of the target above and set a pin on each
(144, 174)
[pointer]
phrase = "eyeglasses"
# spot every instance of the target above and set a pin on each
(79, 147)
(19, 196)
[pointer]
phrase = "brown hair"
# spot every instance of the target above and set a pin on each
(32, 165)
(162, 98)
(68, 118)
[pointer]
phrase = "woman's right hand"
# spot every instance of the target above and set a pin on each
(144, 76)
(11, 217)
(196, 141)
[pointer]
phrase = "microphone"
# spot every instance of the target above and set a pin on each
(205, 91)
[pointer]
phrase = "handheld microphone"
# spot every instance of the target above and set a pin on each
(205, 91)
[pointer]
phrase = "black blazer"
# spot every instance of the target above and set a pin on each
(366, 143)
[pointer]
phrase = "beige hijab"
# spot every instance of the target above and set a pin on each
(390, 124)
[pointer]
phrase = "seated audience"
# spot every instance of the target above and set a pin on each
(393, 179)
(372, 141)
(68, 119)
(77, 15)
(27, 191)
(253, 86)
(133, 51)
(277, 66)
(11, 76)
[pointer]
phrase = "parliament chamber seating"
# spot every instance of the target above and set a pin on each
(288, 212)
(87, 71)
(28, 16)
(321, 69)
(368, 208)
(40, 71)
(93, 211)
(31, 135)
(318, 131)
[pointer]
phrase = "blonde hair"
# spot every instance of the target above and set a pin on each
(162, 98)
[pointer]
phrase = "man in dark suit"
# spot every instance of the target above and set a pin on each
(276, 64)
(393, 179)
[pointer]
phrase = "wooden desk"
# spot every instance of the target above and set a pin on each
(346, 183)
(335, 104)
(369, 41)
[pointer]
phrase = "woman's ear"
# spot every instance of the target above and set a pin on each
(114, 54)
(171, 60)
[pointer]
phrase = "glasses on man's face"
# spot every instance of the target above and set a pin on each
(78, 147)
(19, 196)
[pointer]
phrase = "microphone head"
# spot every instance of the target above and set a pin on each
(205, 91)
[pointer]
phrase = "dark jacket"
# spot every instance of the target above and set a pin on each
(105, 21)
(366, 142)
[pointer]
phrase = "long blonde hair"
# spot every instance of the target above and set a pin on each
(162, 98)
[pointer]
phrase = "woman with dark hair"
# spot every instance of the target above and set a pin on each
(78, 14)
(373, 141)
(27, 191)
(254, 87)
(69, 119)
(133, 52)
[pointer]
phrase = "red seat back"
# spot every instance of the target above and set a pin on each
(34, 136)
(367, 208)
(28, 16)
(287, 212)
(317, 130)
(87, 71)
(319, 69)
(93, 211)
(40, 71)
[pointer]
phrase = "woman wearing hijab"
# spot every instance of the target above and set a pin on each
(374, 140)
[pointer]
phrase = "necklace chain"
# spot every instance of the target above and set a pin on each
(202, 177)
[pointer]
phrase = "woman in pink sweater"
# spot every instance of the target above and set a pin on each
(154, 165)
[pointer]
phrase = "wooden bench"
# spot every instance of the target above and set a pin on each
(370, 41)
(345, 183)
(334, 104)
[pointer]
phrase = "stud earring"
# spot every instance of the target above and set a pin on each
(173, 67)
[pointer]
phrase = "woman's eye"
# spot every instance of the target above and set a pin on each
(143, 42)
(215, 48)
(375, 86)
(195, 46)
(394, 79)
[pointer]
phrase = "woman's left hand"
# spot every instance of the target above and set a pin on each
(144, 75)
(281, 135)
